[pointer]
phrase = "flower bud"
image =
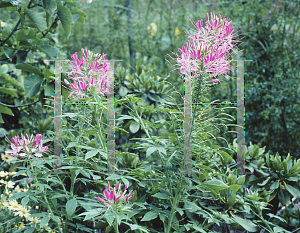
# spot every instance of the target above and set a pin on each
(29, 180)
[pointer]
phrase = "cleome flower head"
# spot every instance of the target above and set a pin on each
(90, 74)
(26, 147)
(114, 195)
(208, 48)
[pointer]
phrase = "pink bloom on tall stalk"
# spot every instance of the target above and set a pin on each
(116, 194)
(208, 49)
(30, 146)
(92, 78)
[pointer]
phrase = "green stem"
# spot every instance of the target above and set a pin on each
(48, 206)
(174, 206)
(116, 225)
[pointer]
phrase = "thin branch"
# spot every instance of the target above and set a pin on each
(13, 106)
(44, 35)
(13, 31)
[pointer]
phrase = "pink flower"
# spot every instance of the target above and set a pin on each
(29, 146)
(91, 62)
(112, 196)
(15, 150)
(15, 140)
(208, 48)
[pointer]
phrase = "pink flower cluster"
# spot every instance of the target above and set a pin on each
(87, 81)
(112, 195)
(208, 49)
(29, 146)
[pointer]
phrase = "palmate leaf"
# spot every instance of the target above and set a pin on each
(36, 19)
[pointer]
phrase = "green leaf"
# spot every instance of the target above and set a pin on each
(90, 154)
(51, 50)
(6, 110)
(44, 221)
(65, 17)
(8, 52)
(231, 199)
(223, 153)
(161, 195)
(124, 117)
(162, 150)
(134, 127)
(191, 207)
(10, 91)
(295, 192)
(122, 91)
(215, 184)
(32, 85)
(49, 89)
(113, 177)
(36, 19)
(154, 97)
(30, 69)
(149, 216)
(24, 201)
(246, 224)
(21, 56)
(55, 218)
(82, 15)
(20, 35)
(150, 150)
(74, 17)
(3, 69)
(50, 6)
(71, 207)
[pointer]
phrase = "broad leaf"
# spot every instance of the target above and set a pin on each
(44, 221)
(295, 192)
(32, 85)
(134, 127)
(51, 50)
(30, 69)
(36, 19)
(10, 91)
(246, 224)
(91, 154)
(149, 216)
(6, 110)
(150, 150)
(71, 207)
(215, 184)
(65, 17)
(49, 89)
(161, 195)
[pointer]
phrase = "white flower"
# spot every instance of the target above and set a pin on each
(17, 189)
(3, 174)
(9, 184)
(14, 205)
(22, 212)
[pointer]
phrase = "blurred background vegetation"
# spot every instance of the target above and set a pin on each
(142, 33)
